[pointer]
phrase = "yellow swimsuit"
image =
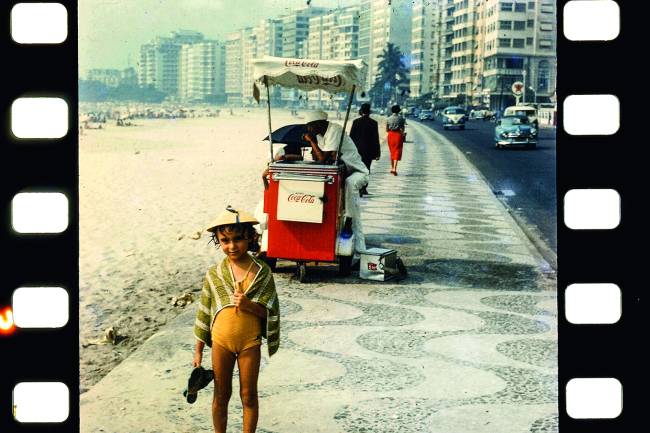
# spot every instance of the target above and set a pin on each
(236, 330)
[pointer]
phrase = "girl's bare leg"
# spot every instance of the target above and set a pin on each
(249, 369)
(223, 363)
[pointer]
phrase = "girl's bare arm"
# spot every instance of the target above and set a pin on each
(198, 353)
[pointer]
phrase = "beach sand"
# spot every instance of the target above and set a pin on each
(145, 190)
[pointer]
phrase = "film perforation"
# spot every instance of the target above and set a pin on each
(590, 255)
(42, 361)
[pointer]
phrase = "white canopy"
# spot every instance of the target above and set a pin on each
(333, 76)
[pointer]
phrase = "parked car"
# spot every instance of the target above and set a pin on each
(515, 131)
(522, 110)
(454, 117)
(480, 113)
(425, 115)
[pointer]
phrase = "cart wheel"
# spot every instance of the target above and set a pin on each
(302, 273)
(345, 265)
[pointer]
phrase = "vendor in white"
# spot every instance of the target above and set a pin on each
(324, 138)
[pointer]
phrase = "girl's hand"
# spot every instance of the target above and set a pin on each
(198, 357)
(241, 301)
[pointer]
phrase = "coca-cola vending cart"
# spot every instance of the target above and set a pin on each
(303, 204)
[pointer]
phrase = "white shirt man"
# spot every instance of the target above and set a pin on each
(327, 144)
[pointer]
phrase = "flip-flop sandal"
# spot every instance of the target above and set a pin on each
(199, 379)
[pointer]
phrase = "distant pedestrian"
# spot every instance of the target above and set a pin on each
(365, 134)
(395, 126)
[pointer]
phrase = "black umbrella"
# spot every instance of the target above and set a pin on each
(291, 135)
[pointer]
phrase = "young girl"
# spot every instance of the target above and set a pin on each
(239, 306)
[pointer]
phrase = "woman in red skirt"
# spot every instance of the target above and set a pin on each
(395, 126)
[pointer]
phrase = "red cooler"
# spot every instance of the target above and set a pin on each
(302, 204)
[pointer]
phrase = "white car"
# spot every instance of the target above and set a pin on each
(454, 117)
(522, 110)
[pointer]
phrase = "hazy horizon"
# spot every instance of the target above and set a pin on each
(112, 31)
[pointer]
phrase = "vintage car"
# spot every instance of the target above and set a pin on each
(425, 115)
(522, 110)
(454, 117)
(515, 131)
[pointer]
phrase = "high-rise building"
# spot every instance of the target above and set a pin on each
(202, 71)
(520, 42)
(487, 45)
(425, 47)
(160, 61)
(268, 42)
(381, 23)
(466, 51)
(333, 36)
(235, 64)
(295, 33)
(445, 74)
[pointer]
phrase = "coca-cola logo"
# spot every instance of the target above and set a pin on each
(372, 266)
(301, 63)
(301, 198)
(315, 80)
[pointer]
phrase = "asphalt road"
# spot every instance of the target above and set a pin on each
(523, 179)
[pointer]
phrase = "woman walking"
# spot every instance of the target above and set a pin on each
(395, 125)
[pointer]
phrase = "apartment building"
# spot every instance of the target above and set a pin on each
(520, 45)
(445, 74)
(425, 46)
(235, 64)
(478, 48)
(380, 23)
(295, 34)
(466, 50)
(160, 60)
(202, 71)
(333, 36)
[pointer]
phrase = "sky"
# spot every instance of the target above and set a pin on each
(112, 31)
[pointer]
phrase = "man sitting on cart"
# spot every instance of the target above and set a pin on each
(324, 138)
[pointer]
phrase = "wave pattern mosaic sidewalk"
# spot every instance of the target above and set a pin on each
(466, 343)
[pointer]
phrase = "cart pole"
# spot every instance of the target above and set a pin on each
(345, 122)
(268, 105)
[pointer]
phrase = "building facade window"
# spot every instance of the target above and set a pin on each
(520, 7)
(546, 43)
(520, 25)
(505, 25)
(506, 6)
(504, 43)
(529, 41)
(530, 23)
(546, 27)
(531, 5)
(543, 73)
(517, 43)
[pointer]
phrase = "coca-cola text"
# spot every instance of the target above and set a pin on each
(301, 198)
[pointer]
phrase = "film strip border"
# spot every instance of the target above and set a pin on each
(39, 238)
(597, 265)
(598, 296)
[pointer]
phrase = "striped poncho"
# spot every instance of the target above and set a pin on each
(218, 293)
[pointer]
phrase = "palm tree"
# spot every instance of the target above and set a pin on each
(392, 75)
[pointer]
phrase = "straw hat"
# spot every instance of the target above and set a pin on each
(315, 115)
(232, 216)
